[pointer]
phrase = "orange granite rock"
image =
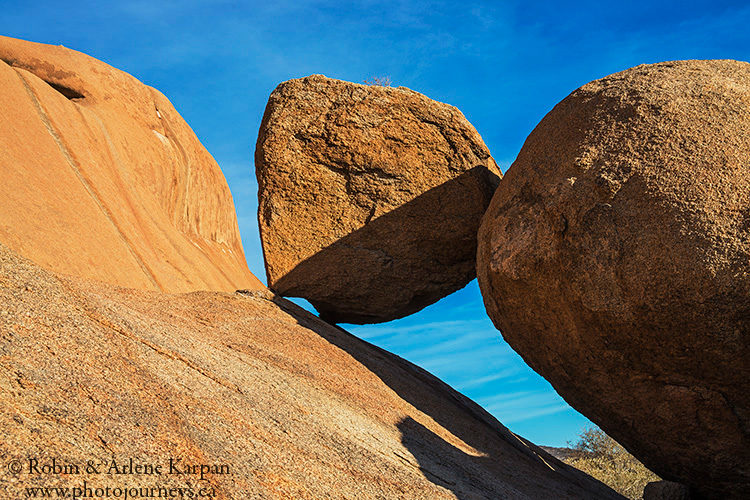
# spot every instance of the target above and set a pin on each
(615, 258)
(369, 197)
(100, 177)
(294, 407)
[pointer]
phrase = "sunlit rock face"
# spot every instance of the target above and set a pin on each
(369, 197)
(100, 177)
(615, 258)
(292, 406)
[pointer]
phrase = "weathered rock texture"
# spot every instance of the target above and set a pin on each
(297, 408)
(101, 178)
(615, 258)
(370, 197)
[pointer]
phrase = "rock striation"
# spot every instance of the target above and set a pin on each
(100, 177)
(615, 258)
(369, 197)
(292, 406)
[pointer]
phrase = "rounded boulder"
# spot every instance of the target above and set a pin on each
(615, 258)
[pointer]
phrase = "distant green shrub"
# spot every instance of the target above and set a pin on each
(601, 457)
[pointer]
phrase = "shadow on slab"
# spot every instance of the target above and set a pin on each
(490, 458)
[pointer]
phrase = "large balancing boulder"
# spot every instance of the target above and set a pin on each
(615, 258)
(369, 197)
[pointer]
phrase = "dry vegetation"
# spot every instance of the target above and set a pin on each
(602, 457)
(379, 81)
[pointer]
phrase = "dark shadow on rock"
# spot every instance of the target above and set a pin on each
(499, 453)
(401, 261)
(437, 461)
(668, 490)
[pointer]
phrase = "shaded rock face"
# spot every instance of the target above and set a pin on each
(296, 408)
(666, 490)
(100, 177)
(615, 258)
(369, 197)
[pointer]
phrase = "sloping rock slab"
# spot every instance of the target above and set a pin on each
(293, 407)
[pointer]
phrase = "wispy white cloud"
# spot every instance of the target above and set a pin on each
(495, 377)
(375, 331)
(520, 406)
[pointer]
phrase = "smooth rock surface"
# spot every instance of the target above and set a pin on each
(615, 258)
(666, 490)
(100, 177)
(369, 197)
(296, 408)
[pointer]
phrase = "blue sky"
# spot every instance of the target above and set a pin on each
(504, 64)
